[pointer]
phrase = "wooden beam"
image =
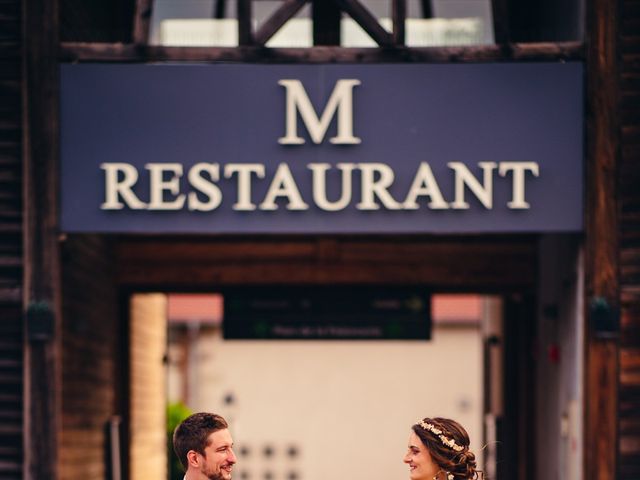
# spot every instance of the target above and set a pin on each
(111, 52)
(219, 9)
(500, 13)
(602, 244)
(367, 21)
(517, 432)
(142, 21)
(399, 15)
(245, 32)
(453, 264)
(281, 16)
(41, 251)
(427, 10)
(326, 23)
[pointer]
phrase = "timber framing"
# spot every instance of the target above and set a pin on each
(488, 263)
(326, 15)
(602, 243)
(42, 291)
(367, 21)
(131, 53)
(399, 15)
(278, 19)
(142, 21)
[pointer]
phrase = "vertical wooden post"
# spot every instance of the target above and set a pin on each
(399, 15)
(219, 9)
(601, 253)
(41, 276)
(245, 32)
(326, 22)
(427, 9)
(500, 13)
(142, 21)
(517, 429)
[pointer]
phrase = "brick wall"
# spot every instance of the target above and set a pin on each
(91, 357)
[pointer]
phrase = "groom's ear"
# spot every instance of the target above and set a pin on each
(193, 460)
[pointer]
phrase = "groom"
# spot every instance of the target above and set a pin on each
(204, 446)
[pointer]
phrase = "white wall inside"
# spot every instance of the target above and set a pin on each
(559, 352)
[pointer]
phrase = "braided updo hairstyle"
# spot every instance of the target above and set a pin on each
(461, 464)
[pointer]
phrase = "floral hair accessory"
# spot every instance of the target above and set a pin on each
(449, 442)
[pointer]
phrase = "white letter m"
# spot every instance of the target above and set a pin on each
(341, 100)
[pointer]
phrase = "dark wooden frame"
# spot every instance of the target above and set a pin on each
(519, 416)
(488, 263)
(252, 43)
(602, 276)
(278, 19)
(142, 21)
(41, 250)
(123, 53)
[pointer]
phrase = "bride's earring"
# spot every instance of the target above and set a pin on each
(448, 474)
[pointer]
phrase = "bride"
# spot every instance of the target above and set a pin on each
(439, 450)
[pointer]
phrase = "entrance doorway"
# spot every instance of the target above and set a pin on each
(152, 269)
(303, 409)
(531, 381)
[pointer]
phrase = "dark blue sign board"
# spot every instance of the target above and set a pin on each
(409, 148)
